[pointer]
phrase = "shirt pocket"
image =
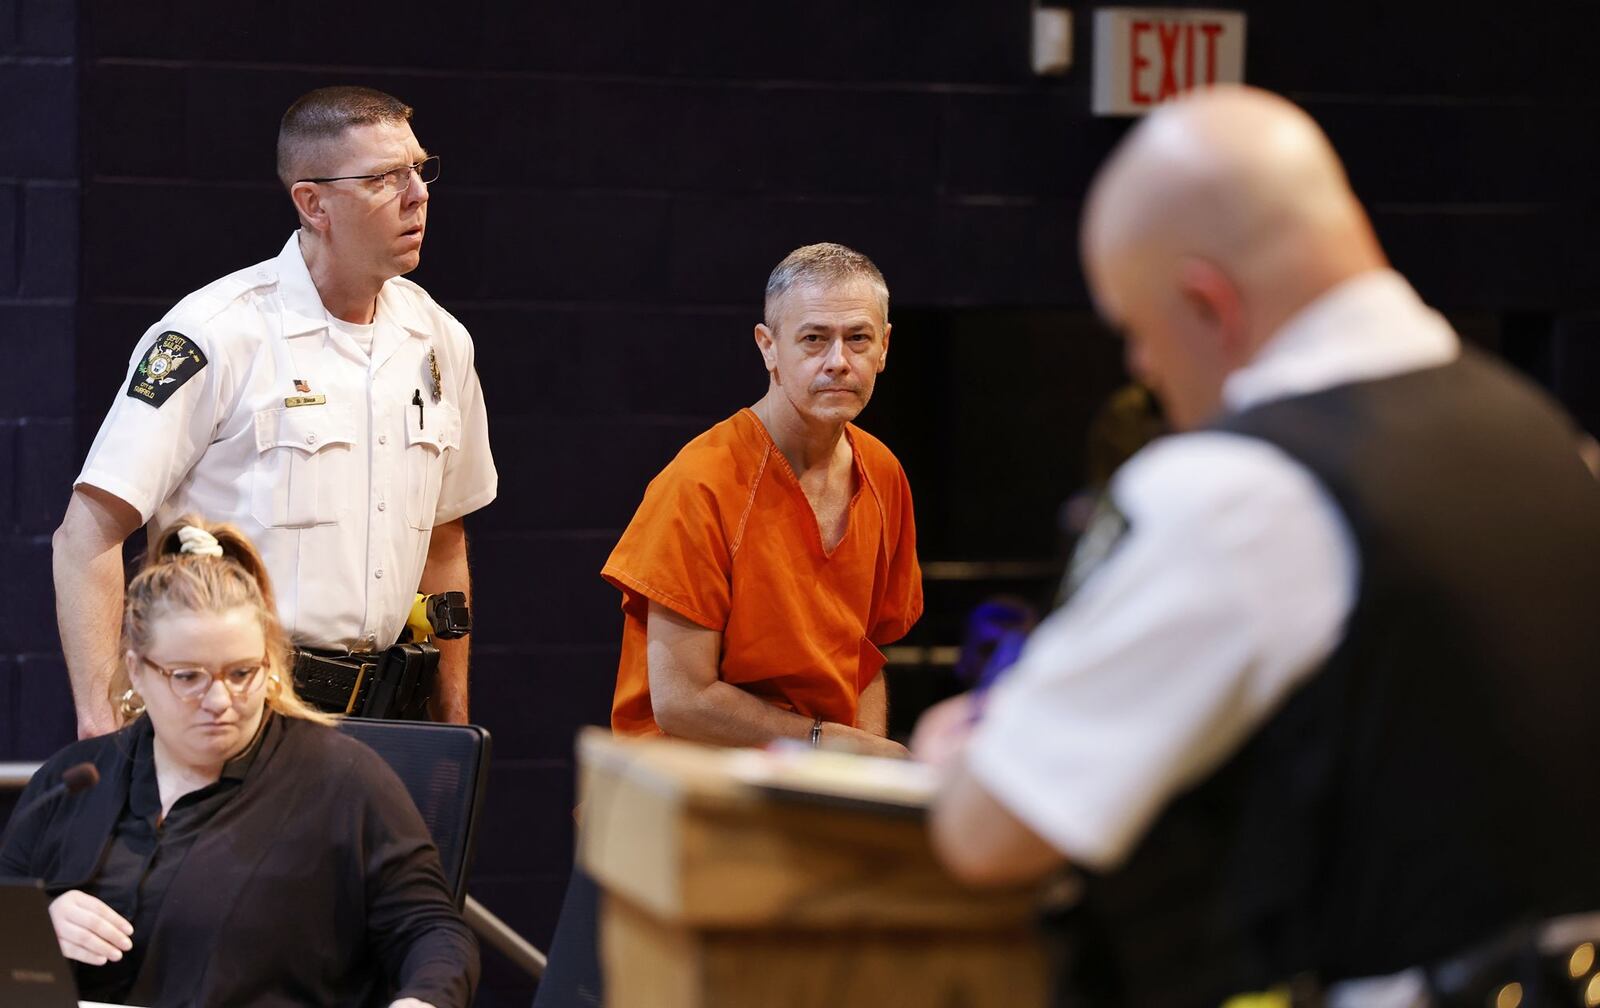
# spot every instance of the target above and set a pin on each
(427, 445)
(302, 471)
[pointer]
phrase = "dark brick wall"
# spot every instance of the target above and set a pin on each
(39, 236)
(619, 176)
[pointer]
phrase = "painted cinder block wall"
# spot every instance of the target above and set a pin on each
(619, 176)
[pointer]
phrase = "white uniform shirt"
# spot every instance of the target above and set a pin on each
(313, 447)
(1231, 586)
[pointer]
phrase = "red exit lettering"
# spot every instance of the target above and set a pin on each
(1177, 58)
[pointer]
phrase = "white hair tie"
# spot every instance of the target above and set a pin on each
(198, 542)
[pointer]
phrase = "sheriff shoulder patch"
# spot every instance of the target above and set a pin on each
(172, 360)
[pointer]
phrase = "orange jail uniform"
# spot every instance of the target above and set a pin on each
(726, 538)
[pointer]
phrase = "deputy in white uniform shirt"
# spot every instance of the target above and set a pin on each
(317, 400)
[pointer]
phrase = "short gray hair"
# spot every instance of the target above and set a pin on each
(823, 263)
(319, 117)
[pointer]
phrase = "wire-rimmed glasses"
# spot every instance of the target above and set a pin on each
(395, 179)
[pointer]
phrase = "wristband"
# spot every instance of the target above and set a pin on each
(816, 733)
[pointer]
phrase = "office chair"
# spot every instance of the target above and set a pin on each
(443, 766)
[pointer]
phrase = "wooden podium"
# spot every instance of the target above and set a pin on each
(728, 886)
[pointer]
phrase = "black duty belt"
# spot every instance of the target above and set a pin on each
(393, 683)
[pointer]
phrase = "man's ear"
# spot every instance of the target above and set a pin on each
(883, 359)
(307, 197)
(766, 342)
(1215, 301)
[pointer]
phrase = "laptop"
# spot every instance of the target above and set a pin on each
(33, 972)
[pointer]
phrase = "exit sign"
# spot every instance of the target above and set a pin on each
(1144, 56)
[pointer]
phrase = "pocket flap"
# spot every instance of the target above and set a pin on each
(440, 427)
(305, 428)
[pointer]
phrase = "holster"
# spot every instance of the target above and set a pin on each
(394, 683)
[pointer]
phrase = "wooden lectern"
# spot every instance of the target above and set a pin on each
(727, 885)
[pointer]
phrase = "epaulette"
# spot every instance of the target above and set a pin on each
(219, 295)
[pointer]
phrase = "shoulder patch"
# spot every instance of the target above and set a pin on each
(172, 360)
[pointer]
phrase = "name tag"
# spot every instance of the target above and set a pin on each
(305, 400)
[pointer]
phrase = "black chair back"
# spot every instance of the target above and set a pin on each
(443, 766)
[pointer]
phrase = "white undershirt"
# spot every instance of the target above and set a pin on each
(1231, 586)
(360, 335)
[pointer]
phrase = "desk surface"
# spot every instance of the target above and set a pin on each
(98, 1004)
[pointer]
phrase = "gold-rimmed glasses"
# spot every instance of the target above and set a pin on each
(189, 682)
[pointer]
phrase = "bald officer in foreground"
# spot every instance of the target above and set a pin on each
(1328, 711)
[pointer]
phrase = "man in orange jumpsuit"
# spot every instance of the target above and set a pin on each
(777, 552)
(768, 561)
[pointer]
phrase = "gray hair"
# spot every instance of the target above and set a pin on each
(822, 263)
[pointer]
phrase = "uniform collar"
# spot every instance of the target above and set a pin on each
(302, 305)
(1371, 326)
(303, 310)
(394, 305)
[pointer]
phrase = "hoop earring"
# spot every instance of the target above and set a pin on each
(274, 687)
(131, 705)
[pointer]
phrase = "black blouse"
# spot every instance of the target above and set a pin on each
(304, 876)
(146, 851)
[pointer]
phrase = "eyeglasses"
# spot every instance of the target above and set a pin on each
(190, 683)
(397, 179)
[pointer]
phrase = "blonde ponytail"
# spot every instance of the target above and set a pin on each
(183, 572)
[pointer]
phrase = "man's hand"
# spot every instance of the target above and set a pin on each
(88, 930)
(842, 738)
(942, 732)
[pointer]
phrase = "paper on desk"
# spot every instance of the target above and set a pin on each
(807, 773)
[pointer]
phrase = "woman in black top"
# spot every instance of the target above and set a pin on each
(237, 849)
